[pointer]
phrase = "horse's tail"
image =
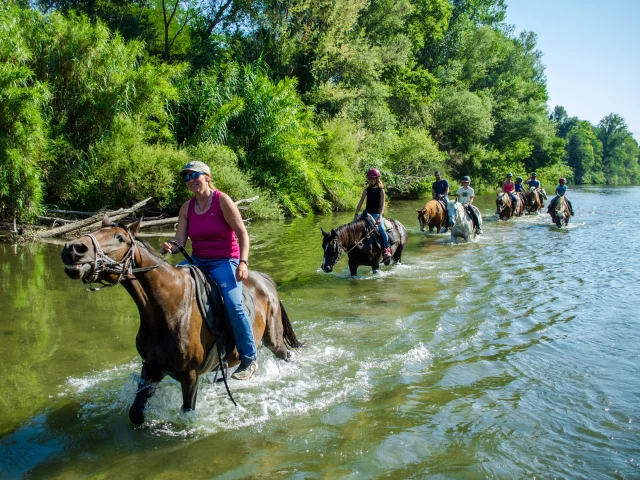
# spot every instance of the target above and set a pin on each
(289, 335)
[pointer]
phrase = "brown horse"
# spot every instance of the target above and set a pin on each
(506, 208)
(533, 200)
(433, 216)
(173, 338)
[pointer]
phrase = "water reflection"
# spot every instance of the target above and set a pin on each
(513, 356)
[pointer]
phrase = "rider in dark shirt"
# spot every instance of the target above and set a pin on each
(374, 195)
(439, 188)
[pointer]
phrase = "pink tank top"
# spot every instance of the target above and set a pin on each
(508, 187)
(210, 234)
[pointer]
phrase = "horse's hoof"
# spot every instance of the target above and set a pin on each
(375, 272)
(136, 416)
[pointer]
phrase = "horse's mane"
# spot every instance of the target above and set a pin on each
(351, 233)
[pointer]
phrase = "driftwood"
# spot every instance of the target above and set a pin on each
(91, 221)
(95, 220)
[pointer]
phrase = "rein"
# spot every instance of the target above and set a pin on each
(357, 244)
(104, 263)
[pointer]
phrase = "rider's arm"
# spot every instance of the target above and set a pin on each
(471, 199)
(364, 194)
(446, 192)
(381, 207)
(232, 216)
(181, 231)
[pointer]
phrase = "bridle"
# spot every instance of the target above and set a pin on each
(504, 205)
(342, 250)
(104, 263)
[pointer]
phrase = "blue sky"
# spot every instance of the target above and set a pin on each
(591, 54)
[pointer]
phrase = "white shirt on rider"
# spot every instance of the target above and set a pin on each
(464, 195)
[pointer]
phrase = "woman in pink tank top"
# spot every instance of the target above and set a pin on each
(509, 187)
(220, 243)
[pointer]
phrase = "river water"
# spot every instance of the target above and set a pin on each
(514, 356)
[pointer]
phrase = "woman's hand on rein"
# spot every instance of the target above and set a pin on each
(242, 272)
(166, 248)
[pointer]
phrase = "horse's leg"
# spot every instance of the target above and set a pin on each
(189, 382)
(397, 256)
(353, 267)
(146, 389)
(375, 265)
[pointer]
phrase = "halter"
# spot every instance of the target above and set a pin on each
(104, 263)
(504, 206)
(357, 244)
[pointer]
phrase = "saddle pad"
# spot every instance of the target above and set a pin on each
(211, 307)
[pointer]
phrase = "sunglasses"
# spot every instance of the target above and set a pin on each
(192, 176)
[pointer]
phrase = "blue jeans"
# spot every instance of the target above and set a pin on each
(383, 232)
(223, 271)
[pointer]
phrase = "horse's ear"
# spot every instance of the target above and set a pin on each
(419, 211)
(324, 234)
(333, 232)
(134, 227)
(106, 221)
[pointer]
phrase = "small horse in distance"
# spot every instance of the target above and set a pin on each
(533, 201)
(560, 213)
(433, 216)
(356, 239)
(173, 338)
(506, 208)
(460, 222)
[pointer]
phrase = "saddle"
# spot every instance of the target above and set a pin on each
(442, 203)
(211, 305)
(388, 226)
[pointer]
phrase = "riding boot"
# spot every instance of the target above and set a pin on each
(386, 255)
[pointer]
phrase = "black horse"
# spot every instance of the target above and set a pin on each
(362, 245)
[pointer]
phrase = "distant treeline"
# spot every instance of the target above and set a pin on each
(102, 101)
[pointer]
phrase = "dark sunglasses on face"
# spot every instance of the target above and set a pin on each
(191, 176)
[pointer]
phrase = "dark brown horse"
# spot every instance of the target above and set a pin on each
(506, 208)
(434, 216)
(533, 200)
(357, 239)
(173, 338)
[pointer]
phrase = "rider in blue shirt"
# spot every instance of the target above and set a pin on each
(518, 186)
(533, 182)
(439, 188)
(561, 190)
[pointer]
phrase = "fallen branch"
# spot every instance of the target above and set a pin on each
(91, 221)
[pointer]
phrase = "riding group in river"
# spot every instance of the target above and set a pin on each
(209, 312)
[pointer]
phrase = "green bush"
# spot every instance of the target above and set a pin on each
(22, 126)
(227, 177)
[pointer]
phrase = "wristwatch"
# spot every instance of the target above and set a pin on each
(246, 262)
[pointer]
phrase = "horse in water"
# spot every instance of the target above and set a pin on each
(506, 208)
(560, 212)
(460, 222)
(357, 239)
(533, 200)
(433, 216)
(173, 338)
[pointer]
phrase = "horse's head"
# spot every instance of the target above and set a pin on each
(332, 250)
(423, 218)
(451, 212)
(105, 255)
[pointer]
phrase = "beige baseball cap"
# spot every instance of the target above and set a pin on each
(196, 166)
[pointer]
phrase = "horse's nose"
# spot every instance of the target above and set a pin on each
(74, 251)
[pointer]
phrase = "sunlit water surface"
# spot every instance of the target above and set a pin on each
(514, 356)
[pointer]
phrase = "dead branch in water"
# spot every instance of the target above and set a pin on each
(95, 220)
(91, 221)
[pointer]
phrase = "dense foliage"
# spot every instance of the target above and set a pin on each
(101, 102)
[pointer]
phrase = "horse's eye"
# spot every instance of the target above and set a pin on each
(120, 238)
